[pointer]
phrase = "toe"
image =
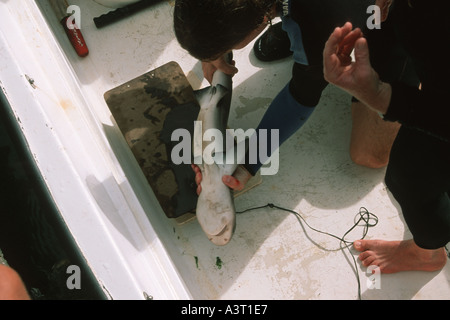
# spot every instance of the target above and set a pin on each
(359, 245)
(368, 261)
(364, 255)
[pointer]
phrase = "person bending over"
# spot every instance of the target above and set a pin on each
(209, 29)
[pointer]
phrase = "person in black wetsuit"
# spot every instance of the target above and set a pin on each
(209, 29)
(418, 172)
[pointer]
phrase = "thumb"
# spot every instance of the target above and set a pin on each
(229, 69)
(232, 182)
(362, 56)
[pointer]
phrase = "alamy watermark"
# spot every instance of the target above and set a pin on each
(374, 277)
(231, 149)
(74, 17)
(74, 280)
(374, 21)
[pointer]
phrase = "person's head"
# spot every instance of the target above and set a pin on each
(208, 29)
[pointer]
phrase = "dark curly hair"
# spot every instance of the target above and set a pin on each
(208, 29)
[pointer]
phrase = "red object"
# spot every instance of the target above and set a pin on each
(76, 38)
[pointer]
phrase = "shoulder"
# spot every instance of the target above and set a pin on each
(331, 12)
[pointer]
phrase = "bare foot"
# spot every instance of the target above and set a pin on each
(397, 256)
(236, 182)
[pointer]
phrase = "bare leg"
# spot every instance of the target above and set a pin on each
(371, 137)
(397, 256)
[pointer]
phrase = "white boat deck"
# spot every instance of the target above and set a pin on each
(106, 202)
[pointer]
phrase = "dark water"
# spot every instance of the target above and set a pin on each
(33, 237)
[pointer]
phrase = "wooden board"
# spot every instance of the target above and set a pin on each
(147, 110)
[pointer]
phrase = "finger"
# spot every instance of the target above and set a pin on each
(330, 59)
(332, 45)
(346, 29)
(208, 73)
(195, 168)
(199, 189)
(385, 10)
(348, 43)
(198, 178)
(346, 48)
(227, 68)
(362, 57)
(330, 66)
(232, 182)
(341, 33)
(209, 68)
(351, 37)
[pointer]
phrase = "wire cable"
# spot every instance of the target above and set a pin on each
(369, 220)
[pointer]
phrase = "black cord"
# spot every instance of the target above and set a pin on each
(369, 219)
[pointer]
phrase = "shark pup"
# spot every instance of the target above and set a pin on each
(215, 206)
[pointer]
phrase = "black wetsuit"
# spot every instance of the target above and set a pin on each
(418, 173)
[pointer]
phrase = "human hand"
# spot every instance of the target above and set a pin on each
(384, 6)
(209, 67)
(358, 77)
(236, 182)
